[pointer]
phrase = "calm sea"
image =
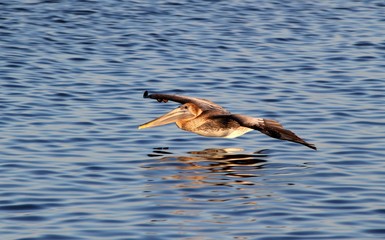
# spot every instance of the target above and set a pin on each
(74, 166)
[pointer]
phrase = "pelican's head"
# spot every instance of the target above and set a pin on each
(183, 113)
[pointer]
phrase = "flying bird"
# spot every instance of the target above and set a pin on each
(208, 119)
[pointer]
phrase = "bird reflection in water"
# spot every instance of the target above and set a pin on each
(218, 166)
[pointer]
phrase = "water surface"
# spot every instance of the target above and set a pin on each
(74, 165)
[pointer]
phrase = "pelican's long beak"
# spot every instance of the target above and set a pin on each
(167, 118)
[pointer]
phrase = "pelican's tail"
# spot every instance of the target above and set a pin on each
(273, 129)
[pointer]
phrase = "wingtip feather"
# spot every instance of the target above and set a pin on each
(312, 146)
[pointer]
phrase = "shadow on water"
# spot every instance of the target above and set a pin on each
(211, 163)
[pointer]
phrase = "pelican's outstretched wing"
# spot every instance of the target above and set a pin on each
(271, 128)
(203, 104)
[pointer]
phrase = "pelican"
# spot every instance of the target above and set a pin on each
(208, 119)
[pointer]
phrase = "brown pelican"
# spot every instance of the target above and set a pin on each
(208, 119)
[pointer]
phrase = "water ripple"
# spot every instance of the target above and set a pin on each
(75, 166)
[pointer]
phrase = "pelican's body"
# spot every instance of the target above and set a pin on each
(208, 119)
(208, 126)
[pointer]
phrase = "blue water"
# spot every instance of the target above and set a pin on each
(73, 164)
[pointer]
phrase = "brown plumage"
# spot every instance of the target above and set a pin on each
(208, 119)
